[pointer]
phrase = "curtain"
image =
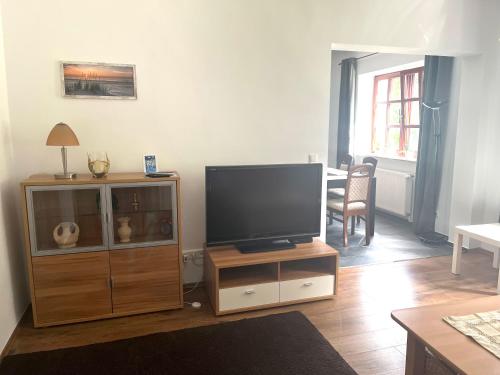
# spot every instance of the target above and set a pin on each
(348, 81)
(408, 93)
(434, 123)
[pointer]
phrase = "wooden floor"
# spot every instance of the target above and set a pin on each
(357, 322)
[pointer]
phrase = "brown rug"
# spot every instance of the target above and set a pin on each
(273, 345)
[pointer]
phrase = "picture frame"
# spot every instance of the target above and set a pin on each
(150, 164)
(94, 80)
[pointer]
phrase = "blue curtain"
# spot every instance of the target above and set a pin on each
(348, 81)
(434, 124)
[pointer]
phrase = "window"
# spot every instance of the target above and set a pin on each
(396, 113)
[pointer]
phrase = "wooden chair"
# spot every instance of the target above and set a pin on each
(344, 164)
(356, 201)
(369, 160)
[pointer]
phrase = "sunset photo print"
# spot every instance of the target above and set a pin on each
(98, 80)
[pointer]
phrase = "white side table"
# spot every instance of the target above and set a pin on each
(486, 233)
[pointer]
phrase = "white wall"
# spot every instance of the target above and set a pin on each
(475, 197)
(13, 296)
(219, 82)
(488, 159)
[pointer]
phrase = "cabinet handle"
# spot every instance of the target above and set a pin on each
(250, 291)
(309, 283)
(111, 282)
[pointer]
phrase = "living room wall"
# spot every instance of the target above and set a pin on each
(219, 82)
(476, 187)
(12, 280)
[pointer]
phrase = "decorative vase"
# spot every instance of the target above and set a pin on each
(124, 231)
(66, 234)
(98, 164)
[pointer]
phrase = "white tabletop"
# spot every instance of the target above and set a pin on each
(338, 172)
(489, 233)
(335, 177)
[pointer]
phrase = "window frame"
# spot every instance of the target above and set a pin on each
(403, 127)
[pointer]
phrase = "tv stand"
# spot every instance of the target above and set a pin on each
(262, 246)
(239, 282)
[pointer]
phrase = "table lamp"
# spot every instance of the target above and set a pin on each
(62, 135)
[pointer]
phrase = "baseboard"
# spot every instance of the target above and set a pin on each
(393, 214)
(10, 341)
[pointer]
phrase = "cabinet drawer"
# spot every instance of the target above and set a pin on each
(248, 296)
(320, 286)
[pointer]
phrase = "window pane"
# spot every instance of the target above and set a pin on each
(382, 86)
(378, 141)
(411, 89)
(412, 113)
(395, 92)
(394, 113)
(412, 142)
(392, 146)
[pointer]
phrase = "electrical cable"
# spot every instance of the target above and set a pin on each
(193, 288)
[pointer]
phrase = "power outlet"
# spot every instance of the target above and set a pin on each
(192, 256)
(198, 254)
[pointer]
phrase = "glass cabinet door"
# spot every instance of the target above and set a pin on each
(66, 219)
(142, 214)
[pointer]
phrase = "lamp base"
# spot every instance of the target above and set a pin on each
(65, 176)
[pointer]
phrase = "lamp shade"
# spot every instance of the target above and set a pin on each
(62, 135)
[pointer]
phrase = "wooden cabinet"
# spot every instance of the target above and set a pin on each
(83, 265)
(71, 287)
(145, 278)
(239, 282)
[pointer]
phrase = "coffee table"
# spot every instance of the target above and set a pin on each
(426, 329)
(486, 233)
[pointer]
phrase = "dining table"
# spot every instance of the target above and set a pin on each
(337, 178)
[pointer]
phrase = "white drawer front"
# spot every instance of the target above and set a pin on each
(248, 296)
(319, 286)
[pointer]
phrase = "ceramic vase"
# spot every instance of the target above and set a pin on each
(124, 231)
(66, 234)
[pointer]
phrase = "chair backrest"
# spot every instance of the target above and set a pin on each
(371, 160)
(359, 180)
(346, 162)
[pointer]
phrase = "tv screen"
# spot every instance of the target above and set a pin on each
(262, 202)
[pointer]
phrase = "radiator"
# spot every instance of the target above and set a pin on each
(395, 192)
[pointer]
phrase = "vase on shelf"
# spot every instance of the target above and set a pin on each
(66, 235)
(124, 231)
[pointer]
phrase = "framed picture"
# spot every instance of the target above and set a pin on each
(150, 164)
(98, 80)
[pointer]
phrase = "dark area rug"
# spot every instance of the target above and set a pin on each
(273, 345)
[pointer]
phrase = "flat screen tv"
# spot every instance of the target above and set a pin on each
(263, 207)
